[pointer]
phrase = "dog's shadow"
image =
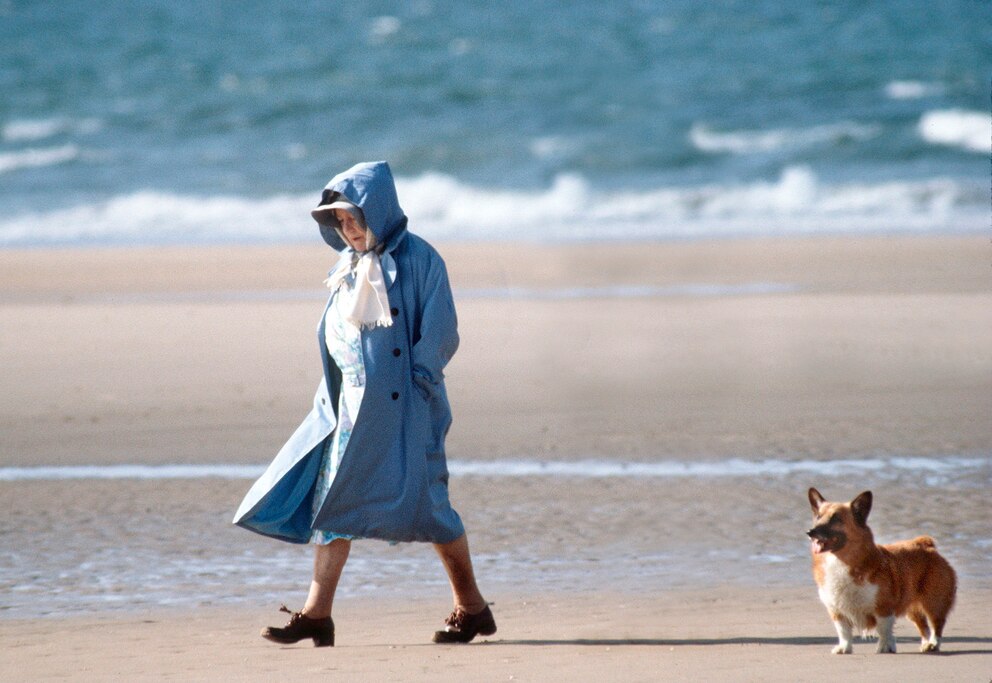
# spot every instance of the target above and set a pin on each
(908, 643)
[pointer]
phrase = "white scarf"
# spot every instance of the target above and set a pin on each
(369, 305)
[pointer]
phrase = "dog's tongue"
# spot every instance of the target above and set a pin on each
(817, 546)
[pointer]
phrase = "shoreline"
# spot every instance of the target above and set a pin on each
(174, 538)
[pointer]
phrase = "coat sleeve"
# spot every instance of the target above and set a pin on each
(435, 339)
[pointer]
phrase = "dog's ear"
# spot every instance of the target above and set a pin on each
(815, 500)
(860, 507)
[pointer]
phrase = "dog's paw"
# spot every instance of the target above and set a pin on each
(886, 648)
(842, 650)
(929, 648)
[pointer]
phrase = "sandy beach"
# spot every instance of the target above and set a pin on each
(785, 351)
(713, 635)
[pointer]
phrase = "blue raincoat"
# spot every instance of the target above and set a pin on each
(392, 482)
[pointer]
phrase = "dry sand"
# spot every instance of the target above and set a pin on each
(845, 348)
(208, 355)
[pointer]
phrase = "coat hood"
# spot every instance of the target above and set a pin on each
(370, 187)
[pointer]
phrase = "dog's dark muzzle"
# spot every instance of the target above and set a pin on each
(826, 539)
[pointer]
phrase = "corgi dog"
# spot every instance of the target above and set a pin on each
(866, 586)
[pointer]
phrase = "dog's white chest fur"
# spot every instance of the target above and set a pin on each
(843, 596)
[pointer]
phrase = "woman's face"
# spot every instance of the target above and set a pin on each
(354, 234)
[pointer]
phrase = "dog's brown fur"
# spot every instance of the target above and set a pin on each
(866, 586)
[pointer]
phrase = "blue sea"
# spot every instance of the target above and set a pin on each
(157, 122)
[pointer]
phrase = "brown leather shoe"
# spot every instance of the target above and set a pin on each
(301, 627)
(462, 627)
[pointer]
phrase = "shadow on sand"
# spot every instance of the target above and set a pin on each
(907, 645)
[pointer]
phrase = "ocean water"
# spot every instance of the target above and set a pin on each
(193, 123)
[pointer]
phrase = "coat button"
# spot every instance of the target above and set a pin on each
(396, 395)
(394, 311)
(323, 401)
(396, 352)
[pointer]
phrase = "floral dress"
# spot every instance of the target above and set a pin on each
(344, 343)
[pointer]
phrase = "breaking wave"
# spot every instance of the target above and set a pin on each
(36, 158)
(442, 208)
(705, 139)
(911, 90)
(33, 130)
(967, 130)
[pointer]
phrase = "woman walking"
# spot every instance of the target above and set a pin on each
(368, 461)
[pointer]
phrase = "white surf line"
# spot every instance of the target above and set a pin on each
(734, 467)
(585, 469)
(55, 473)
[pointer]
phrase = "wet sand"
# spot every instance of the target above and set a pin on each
(712, 635)
(802, 349)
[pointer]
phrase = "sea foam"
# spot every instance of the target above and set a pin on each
(32, 130)
(797, 202)
(706, 139)
(911, 90)
(35, 158)
(442, 208)
(967, 130)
